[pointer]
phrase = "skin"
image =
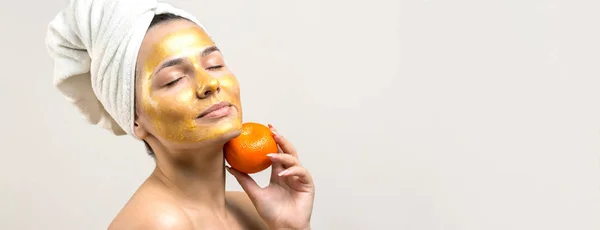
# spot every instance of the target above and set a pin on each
(173, 97)
(186, 190)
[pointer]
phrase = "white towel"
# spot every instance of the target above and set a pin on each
(94, 44)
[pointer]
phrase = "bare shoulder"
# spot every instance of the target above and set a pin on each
(244, 209)
(151, 212)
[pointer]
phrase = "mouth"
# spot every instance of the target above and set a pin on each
(217, 110)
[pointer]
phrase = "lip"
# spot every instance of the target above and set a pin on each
(217, 107)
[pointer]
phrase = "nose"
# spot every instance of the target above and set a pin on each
(211, 87)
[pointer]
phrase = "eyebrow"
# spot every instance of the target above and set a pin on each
(178, 61)
(209, 50)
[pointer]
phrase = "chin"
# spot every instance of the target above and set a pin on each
(225, 131)
(218, 140)
(230, 135)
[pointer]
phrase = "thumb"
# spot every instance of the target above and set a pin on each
(247, 183)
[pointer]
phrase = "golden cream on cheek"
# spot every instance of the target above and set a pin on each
(173, 111)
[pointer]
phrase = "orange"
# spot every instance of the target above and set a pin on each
(248, 152)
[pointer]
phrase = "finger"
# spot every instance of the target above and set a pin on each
(283, 143)
(276, 168)
(298, 171)
(285, 159)
(280, 163)
(247, 183)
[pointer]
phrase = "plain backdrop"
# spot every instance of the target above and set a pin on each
(423, 114)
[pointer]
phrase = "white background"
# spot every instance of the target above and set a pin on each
(409, 114)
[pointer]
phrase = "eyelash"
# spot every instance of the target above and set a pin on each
(214, 67)
(173, 82)
(176, 80)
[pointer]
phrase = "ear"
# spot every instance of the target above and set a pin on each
(138, 129)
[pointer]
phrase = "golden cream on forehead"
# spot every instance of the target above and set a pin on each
(183, 43)
(173, 112)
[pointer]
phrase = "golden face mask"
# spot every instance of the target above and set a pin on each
(182, 76)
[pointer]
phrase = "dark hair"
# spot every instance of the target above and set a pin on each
(158, 19)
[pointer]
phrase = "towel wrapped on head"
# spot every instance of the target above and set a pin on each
(94, 44)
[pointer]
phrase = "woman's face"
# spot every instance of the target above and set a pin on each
(181, 78)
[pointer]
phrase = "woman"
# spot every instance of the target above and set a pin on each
(185, 107)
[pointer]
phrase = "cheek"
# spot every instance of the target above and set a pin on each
(173, 115)
(230, 84)
(184, 102)
(170, 109)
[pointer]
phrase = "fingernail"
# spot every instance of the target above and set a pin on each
(282, 173)
(271, 155)
(273, 130)
(275, 134)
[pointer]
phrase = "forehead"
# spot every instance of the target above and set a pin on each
(170, 39)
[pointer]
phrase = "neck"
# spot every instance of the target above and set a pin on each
(196, 177)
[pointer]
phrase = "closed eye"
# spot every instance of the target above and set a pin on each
(173, 82)
(214, 67)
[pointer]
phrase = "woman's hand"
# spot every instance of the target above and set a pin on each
(287, 202)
